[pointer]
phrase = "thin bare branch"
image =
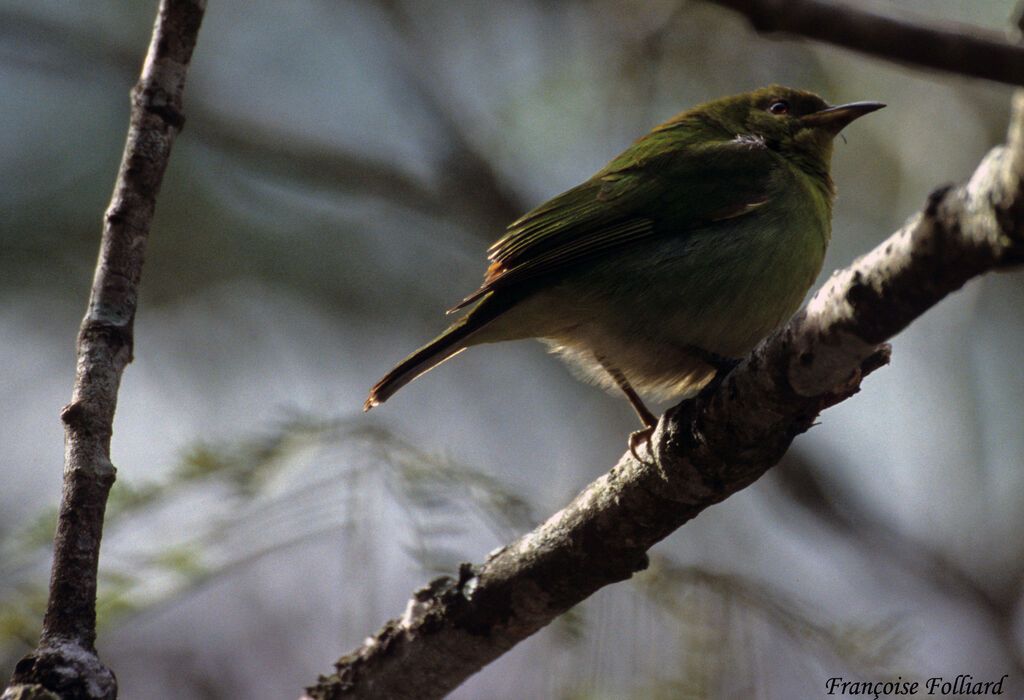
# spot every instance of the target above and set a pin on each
(65, 661)
(704, 449)
(946, 46)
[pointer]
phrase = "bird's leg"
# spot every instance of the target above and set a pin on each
(646, 417)
(649, 420)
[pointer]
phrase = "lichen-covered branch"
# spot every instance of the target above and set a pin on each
(946, 46)
(703, 450)
(65, 662)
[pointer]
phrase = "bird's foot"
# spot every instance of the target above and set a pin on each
(640, 437)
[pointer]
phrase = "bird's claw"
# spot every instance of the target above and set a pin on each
(639, 438)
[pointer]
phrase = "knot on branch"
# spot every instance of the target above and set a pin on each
(68, 670)
(724, 441)
(81, 421)
(879, 358)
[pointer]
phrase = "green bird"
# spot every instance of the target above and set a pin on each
(672, 262)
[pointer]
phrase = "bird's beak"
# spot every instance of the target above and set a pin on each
(834, 119)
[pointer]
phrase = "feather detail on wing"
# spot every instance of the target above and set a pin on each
(645, 192)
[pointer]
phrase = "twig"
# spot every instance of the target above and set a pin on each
(956, 48)
(704, 450)
(65, 662)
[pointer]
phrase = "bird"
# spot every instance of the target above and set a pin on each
(671, 263)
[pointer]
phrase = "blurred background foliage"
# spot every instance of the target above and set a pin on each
(342, 170)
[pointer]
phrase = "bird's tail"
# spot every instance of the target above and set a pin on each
(448, 344)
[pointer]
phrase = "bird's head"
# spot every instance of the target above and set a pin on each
(796, 123)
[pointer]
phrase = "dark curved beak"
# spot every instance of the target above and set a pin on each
(834, 119)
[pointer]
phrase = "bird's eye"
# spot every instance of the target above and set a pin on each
(779, 107)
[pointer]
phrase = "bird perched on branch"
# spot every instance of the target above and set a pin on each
(674, 260)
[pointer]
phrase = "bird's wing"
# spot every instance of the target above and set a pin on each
(649, 190)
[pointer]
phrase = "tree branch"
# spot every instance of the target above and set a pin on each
(704, 449)
(65, 662)
(945, 46)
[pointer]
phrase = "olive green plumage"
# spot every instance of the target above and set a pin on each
(682, 253)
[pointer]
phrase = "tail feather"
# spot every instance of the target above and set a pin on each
(446, 345)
